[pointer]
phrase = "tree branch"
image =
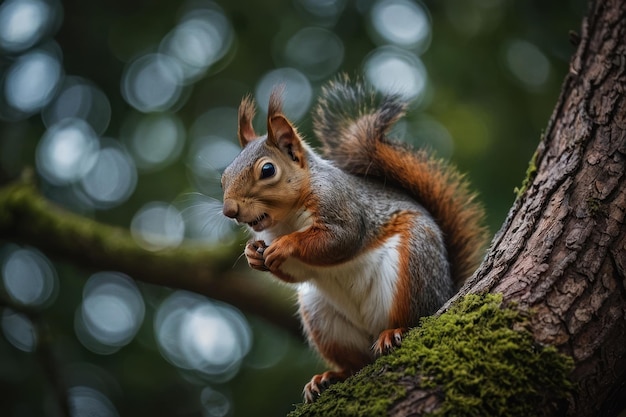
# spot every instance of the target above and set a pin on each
(28, 218)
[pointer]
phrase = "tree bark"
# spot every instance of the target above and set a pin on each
(561, 253)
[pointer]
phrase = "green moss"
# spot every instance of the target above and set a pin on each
(531, 172)
(369, 393)
(478, 354)
(594, 205)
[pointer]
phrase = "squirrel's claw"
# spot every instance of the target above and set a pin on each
(277, 253)
(388, 340)
(318, 384)
(254, 255)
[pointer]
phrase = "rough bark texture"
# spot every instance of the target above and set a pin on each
(562, 251)
(564, 246)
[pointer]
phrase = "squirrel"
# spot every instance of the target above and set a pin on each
(374, 234)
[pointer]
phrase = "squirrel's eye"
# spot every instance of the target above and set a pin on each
(268, 170)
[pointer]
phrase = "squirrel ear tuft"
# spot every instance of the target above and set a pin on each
(245, 131)
(276, 101)
(284, 136)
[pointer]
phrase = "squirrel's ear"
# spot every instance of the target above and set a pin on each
(246, 114)
(284, 136)
(280, 132)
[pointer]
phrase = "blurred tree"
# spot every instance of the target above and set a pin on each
(123, 107)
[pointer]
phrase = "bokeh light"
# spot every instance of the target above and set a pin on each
(212, 137)
(158, 225)
(23, 23)
(153, 82)
(427, 133)
(317, 52)
(80, 99)
(111, 312)
(215, 122)
(297, 93)
(32, 80)
(209, 157)
(87, 401)
(214, 403)
(112, 178)
(528, 64)
(19, 330)
(206, 337)
(401, 22)
(397, 71)
(29, 277)
(155, 140)
(67, 151)
(328, 10)
(212, 149)
(203, 37)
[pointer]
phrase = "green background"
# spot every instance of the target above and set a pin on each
(493, 74)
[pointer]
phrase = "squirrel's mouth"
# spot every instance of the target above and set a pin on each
(260, 223)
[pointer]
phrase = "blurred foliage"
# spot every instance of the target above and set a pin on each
(494, 70)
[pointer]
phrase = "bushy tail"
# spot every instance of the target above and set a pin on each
(352, 123)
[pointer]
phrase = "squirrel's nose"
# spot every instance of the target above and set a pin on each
(230, 209)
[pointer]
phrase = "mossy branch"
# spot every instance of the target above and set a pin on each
(28, 218)
(476, 359)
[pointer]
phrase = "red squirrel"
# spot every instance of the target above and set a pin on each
(374, 234)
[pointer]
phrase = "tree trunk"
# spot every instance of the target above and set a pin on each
(562, 251)
(561, 254)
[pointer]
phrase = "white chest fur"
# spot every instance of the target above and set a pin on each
(298, 221)
(361, 290)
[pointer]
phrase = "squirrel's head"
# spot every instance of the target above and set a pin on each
(267, 180)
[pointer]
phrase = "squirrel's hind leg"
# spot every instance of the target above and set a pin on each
(339, 342)
(387, 341)
(320, 382)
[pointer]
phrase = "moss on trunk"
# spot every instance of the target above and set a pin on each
(476, 359)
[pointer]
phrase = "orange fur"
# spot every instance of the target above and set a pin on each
(446, 196)
(352, 124)
(399, 225)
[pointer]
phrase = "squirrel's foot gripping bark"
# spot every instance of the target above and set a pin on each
(320, 382)
(388, 340)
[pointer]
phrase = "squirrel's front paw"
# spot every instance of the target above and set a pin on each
(254, 255)
(277, 253)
